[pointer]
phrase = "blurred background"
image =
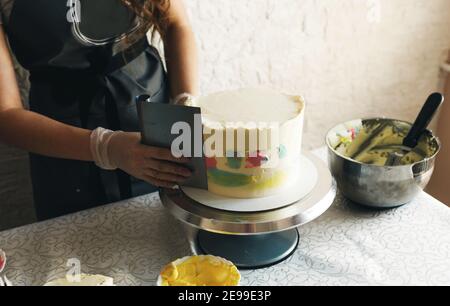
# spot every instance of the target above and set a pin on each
(348, 58)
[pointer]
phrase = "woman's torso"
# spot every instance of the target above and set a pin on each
(84, 72)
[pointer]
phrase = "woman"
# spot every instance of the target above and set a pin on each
(88, 60)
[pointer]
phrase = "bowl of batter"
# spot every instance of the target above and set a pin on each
(359, 154)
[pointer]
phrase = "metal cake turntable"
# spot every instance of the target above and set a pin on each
(259, 238)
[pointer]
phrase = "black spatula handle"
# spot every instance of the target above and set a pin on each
(423, 119)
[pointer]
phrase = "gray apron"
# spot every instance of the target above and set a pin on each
(86, 85)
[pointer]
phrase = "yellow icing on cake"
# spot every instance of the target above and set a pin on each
(261, 184)
(277, 179)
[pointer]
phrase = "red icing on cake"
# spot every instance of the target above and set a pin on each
(257, 161)
(211, 162)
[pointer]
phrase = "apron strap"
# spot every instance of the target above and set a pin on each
(90, 85)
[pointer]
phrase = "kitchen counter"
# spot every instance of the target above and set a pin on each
(348, 245)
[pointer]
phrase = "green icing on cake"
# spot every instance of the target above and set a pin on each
(228, 179)
(282, 151)
(234, 162)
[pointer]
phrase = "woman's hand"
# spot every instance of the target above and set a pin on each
(154, 165)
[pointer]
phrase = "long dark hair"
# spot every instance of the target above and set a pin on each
(152, 13)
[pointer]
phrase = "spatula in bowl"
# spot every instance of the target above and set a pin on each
(410, 142)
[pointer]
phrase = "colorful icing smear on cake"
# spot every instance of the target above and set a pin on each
(252, 185)
(247, 172)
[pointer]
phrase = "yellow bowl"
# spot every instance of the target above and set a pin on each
(180, 261)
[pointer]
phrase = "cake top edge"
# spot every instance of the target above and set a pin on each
(250, 107)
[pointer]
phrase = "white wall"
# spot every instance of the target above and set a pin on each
(349, 58)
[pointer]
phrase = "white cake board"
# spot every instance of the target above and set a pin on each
(304, 184)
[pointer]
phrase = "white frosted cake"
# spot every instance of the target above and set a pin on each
(252, 140)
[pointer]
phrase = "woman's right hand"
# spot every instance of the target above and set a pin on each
(154, 165)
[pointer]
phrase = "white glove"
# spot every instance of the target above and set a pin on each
(184, 99)
(123, 150)
(100, 139)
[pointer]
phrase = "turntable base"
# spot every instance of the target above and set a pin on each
(250, 252)
(251, 239)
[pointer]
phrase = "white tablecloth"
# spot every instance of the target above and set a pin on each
(348, 245)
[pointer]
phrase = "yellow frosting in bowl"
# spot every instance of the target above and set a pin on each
(203, 270)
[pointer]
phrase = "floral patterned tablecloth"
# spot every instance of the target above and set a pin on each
(348, 245)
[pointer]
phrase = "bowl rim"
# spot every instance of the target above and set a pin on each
(425, 160)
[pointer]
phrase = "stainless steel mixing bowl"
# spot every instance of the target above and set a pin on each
(380, 186)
